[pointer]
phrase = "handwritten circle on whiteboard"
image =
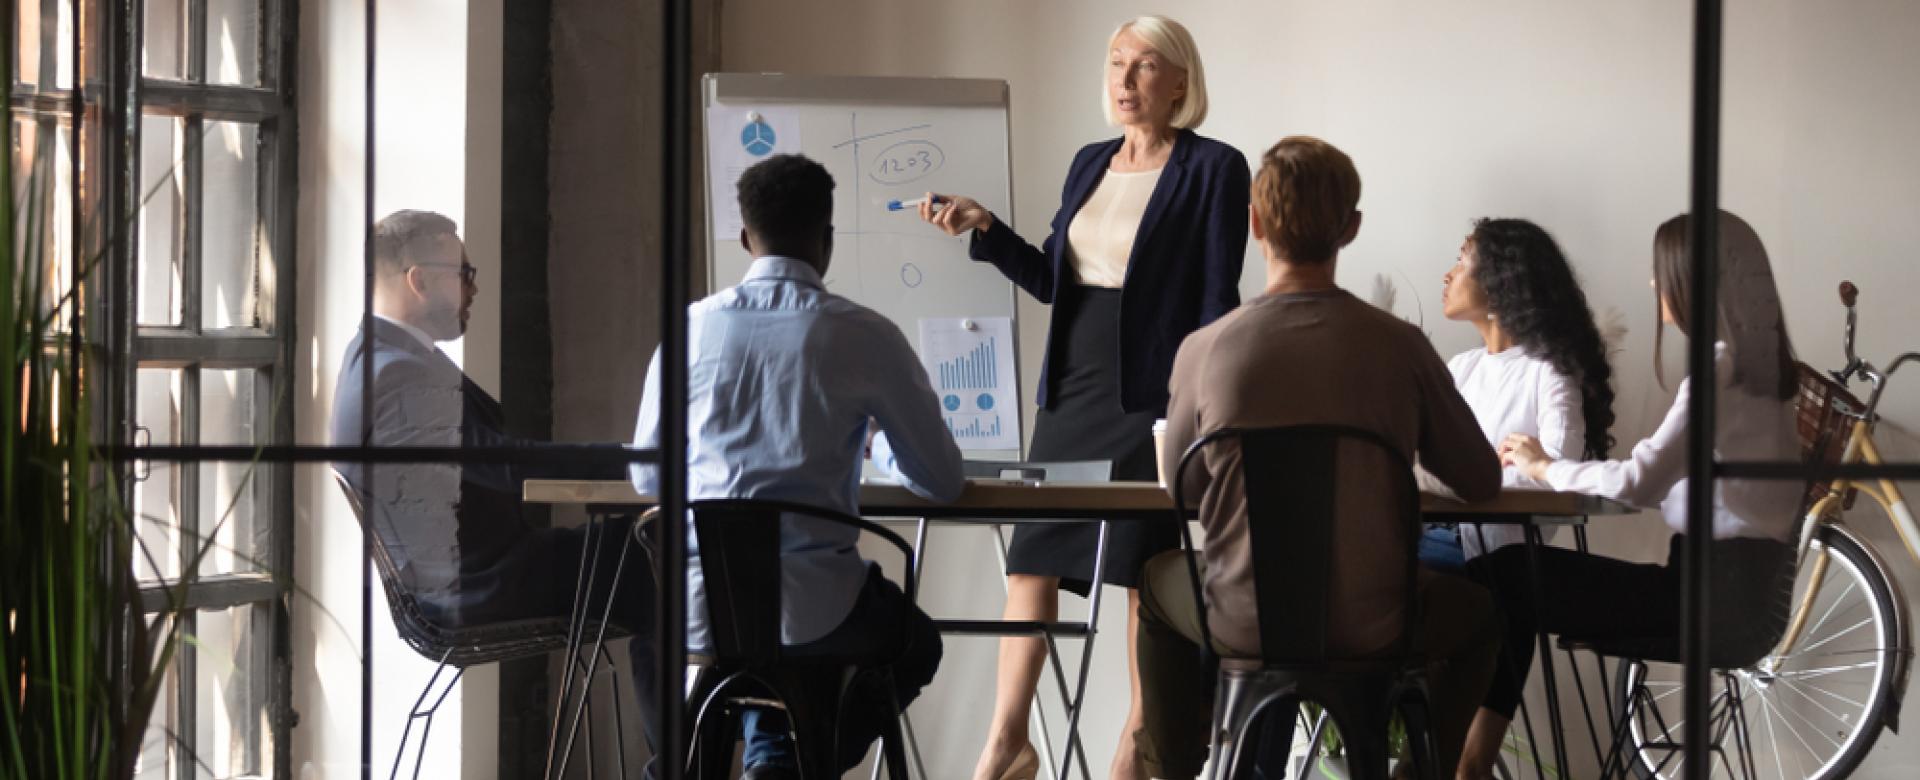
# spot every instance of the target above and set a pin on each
(911, 275)
(757, 138)
(907, 161)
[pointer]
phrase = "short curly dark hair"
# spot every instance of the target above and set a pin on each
(786, 199)
(1532, 293)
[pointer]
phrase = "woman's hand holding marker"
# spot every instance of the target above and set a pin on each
(958, 213)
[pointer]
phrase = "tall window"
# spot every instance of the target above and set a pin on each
(211, 365)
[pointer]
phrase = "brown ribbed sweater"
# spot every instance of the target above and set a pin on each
(1318, 357)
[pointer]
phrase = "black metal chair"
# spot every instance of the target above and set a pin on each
(1822, 422)
(1738, 639)
(748, 666)
(466, 646)
(1292, 475)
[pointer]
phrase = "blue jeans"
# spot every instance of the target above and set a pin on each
(883, 624)
(1440, 550)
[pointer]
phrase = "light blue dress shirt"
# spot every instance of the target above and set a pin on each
(782, 380)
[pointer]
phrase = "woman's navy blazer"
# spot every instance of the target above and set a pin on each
(1184, 271)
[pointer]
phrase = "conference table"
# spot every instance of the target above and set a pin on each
(1022, 501)
(1037, 499)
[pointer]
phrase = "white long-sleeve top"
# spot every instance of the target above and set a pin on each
(1747, 427)
(1513, 392)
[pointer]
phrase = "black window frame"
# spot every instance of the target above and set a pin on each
(266, 345)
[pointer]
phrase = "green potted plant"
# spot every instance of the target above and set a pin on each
(82, 661)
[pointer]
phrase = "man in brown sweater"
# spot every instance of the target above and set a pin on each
(1307, 351)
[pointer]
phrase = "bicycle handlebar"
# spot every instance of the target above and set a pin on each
(1906, 358)
(1849, 296)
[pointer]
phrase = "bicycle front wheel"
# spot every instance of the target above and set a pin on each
(1813, 712)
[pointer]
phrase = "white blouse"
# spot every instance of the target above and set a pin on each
(1100, 238)
(1748, 427)
(1513, 392)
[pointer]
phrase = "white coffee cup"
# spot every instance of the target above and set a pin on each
(1159, 449)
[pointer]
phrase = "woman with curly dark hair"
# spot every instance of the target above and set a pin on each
(1542, 371)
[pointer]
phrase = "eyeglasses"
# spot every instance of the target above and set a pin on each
(467, 272)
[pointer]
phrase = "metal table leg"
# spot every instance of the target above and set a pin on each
(1073, 698)
(1526, 718)
(1086, 652)
(1045, 747)
(1546, 655)
(906, 719)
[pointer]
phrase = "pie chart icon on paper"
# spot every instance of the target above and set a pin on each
(757, 138)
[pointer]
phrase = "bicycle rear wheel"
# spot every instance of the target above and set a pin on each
(1811, 713)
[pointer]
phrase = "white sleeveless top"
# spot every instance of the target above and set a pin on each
(1100, 238)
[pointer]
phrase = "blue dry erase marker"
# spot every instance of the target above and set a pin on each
(902, 205)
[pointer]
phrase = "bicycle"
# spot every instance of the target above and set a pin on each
(1814, 707)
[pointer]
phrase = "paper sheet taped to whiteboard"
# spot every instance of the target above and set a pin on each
(970, 362)
(737, 138)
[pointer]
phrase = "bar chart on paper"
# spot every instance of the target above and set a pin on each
(970, 364)
(972, 371)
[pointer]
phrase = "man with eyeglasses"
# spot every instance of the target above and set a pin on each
(455, 530)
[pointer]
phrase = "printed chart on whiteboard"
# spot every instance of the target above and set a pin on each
(735, 146)
(970, 362)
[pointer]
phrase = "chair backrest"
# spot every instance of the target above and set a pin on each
(740, 563)
(383, 562)
(1314, 540)
(411, 622)
(1046, 471)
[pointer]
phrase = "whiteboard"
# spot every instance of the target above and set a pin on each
(883, 139)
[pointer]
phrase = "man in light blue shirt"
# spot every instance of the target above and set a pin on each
(786, 382)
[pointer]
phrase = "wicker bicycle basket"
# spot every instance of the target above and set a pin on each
(1824, 414)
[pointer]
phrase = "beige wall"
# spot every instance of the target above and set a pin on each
(1572, 114)
(603, 261)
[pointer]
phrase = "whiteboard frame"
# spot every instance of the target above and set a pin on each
(735, 89)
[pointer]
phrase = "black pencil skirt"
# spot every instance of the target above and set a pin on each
(1085, 422)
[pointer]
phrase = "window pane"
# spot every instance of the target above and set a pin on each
(60, 229)
(26, 21)
(228, 210)
(159, 247)
(164, 55)
(25, 137)
(233, 42)
(226, 730)
(43, 185)
(156, 500)
(231, 492)
(229, 691)
(157, 747)
(45, 36)
(63, 55)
